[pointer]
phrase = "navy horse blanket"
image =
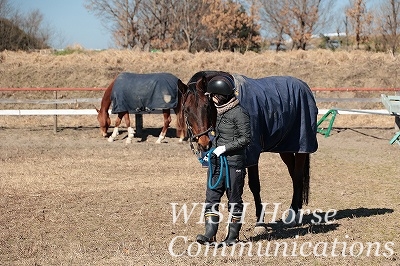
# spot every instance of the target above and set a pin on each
(135, 93)
(283, 115)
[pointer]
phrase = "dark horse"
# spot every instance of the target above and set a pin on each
(283, 116)
(138, 93)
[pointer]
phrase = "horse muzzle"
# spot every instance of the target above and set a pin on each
(204, 143)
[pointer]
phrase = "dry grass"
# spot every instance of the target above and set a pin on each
(319, 68)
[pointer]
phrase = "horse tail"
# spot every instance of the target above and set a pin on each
(306, 180)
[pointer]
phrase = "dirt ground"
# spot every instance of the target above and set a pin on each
(72, 198)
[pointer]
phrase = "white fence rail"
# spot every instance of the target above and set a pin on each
(93, 112)
(75, 102)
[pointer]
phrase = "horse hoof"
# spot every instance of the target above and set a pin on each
(292, 219)
(158, 141)
(128, 141)
(110, 139)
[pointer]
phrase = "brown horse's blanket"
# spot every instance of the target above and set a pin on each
(137, 93)
(283, 115)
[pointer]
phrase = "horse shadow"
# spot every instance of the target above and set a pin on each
(358, 130)
(280, 230)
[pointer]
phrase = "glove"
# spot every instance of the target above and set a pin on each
(219, 150)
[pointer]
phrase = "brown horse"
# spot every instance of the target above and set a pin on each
(283, 116)
(142, 93)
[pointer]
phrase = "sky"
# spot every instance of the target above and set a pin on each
(73, 24)
(71, 21)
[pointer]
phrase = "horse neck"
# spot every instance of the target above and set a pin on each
(213, 113)
(106, 100)
(213, 116)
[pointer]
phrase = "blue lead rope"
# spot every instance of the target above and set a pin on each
(223, 164)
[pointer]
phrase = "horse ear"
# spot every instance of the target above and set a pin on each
(182, 87)
(203, 83)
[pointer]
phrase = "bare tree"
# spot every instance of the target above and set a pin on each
(22, 31)
(273, 14)
(188, 26)
(304, 14)
(157, 23)
(298, 19)
(360, 19)
(388, 22)
(33, 25)
(173, 24)
(121, 15)
(147, 24)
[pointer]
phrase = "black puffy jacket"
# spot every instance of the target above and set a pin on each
(233, 131)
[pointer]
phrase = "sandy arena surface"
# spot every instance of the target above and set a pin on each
(72, 198)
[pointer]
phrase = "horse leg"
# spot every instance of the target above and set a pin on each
(255, 188)
(181, 134)
(180, 124)
(167, 121)
(131, 131)
(296, 163)
(117, 124)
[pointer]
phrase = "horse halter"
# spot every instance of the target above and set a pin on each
(194, 138)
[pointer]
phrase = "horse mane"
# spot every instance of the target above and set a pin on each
(180, 121)
(208, 74)
(106, 100)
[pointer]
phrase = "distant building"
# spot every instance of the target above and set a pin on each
(333, 34)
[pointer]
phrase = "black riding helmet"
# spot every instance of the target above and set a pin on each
(222, 85)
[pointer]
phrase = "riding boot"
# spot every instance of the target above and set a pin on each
(211, 225)
(233, 231)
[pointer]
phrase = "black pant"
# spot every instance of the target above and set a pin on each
(234, 192)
